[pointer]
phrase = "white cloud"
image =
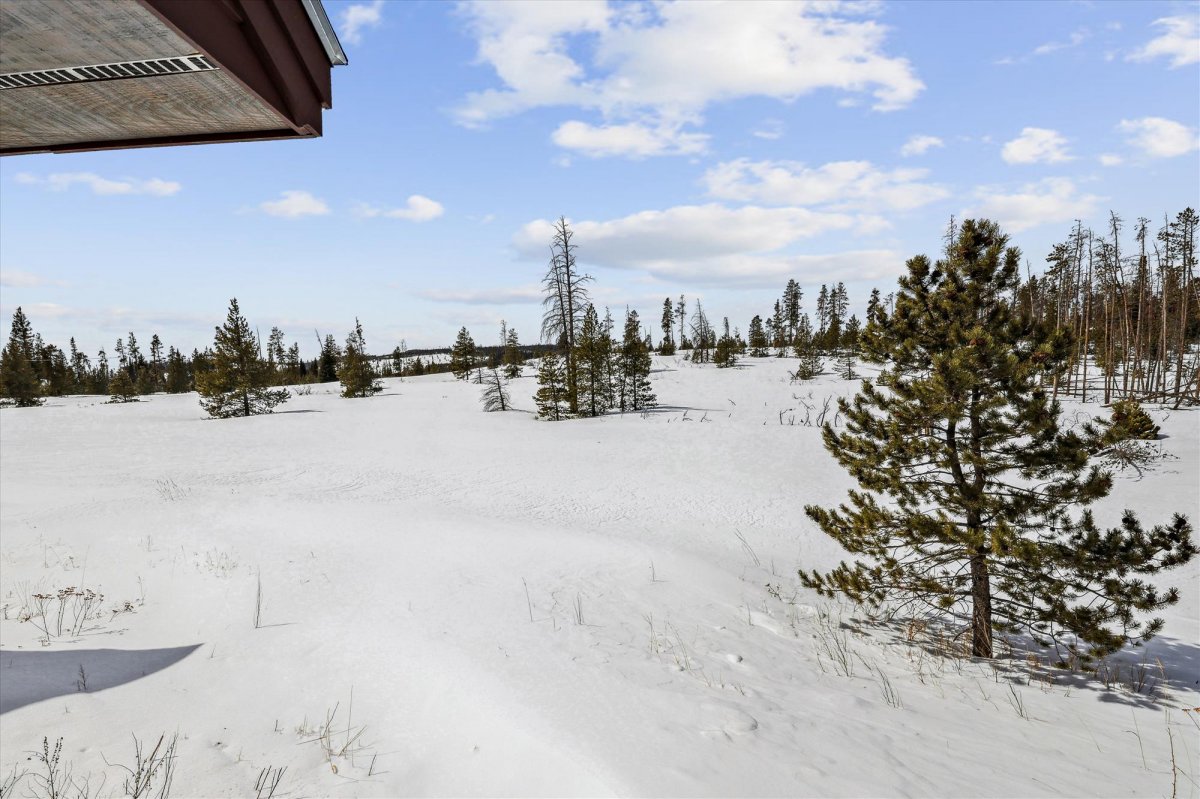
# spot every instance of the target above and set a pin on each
(359, 16)
(840, 185)
(633, 140)
(498, 296)
(1036, 145)
(294, 204)
(770, 129)
(1158, 137)
(1049, 201)
(17, 279)
(1111, 159)
(1179, 41)
(920, 144)
(61, 181)
(417, 208)
(668, 62)
(713, 244)
(1074, 40)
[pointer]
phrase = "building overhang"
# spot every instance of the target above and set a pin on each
(79, 75)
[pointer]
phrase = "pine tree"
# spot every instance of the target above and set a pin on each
(276, 357)
(874, 304)
(844, 365)
(633, 364)
(355, 371)
(178, 380)
(495, 393)
(779, 338)
(792, 297)
(122, 388)
(462, 355)
(122, 358)
(591, 359)
(968, 447)
(822, 314)
(328, 360)
(758, 338)
(238, 383)
(157, 365)
(513, 361)
(295, 367)
(100, 378)
(56, 374)
(668, 327)
(610, 353)
(551, 396)
(134, 354)
(80, 367)
(18, 380)
(836, 310)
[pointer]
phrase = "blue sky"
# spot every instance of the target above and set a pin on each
(701, 149)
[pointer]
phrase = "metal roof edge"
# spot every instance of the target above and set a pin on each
(329, 40)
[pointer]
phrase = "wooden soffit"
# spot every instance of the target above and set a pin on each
(102, 74)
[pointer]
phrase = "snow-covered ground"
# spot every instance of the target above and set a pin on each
(506, 607)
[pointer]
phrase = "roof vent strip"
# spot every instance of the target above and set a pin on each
(114, 71)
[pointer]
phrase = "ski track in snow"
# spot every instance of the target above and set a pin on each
(404, 541)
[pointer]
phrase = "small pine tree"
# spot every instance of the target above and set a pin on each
(512, 360)
(966, 444)
(355, 371)
(725, 354)
(238, 383)
(551, 396)
(1129, 421)
(809, 365)
(495, 393)
(462, 355)
(758, 341)
(844, 365)
(122, 389)
(19, 382)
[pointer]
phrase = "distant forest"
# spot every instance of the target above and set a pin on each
(1126, 294)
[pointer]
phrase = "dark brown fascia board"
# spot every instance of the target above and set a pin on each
(167, 141)
(268, 46)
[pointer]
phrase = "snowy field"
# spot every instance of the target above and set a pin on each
(496, 606)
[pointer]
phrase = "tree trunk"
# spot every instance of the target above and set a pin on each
(981, 608)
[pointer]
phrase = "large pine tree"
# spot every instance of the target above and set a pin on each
(591, 362)
(463, 355)
(238, 383)
(19, 382)
(668, 327)
(967, 476)
(327, 362)
(633, 368)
